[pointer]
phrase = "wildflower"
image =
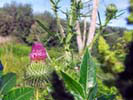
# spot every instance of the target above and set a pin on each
(38, 52)
(1, 66)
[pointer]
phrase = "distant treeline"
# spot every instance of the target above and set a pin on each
(18, 20)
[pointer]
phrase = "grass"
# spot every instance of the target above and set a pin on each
(17, 49)
(14, 58)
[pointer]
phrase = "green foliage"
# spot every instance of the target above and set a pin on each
(8, 92)
(121, 44)
(111, 11)
(103, 46)
(19, 94)
(92, 93)
(108, 58)
(103, 89)
(72, 16)
(55, 52)
(55, 5)
(81, 82)
(87, 72)
(47, 27)
(74, 85)
(18, 50)
(14, 58)
(65, 35)
(107, 97)
(44, 27)
(128, 36)
(8, 82)
(59, 64)
(51, 37)
(86, 88)
(130, 17)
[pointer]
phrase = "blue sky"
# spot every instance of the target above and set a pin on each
(42, 5)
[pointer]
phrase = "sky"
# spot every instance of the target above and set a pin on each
(43, 5)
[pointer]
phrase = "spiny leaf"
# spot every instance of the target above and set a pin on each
(92, 93)
(84, 70)
(73, 85)
(87, 72)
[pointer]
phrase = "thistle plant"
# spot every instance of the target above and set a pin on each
(37, 72)
(38, 52)
(72, 16)
(111, 11)
(86, 87)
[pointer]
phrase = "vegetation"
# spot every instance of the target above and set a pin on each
(7, 92)
(76, 67)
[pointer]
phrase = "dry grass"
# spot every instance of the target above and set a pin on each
(6, 39)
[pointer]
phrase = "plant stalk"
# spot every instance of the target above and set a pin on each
(37, 94)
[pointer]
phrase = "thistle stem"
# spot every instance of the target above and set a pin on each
(37, 94)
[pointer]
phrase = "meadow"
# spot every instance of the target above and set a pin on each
(46, 57)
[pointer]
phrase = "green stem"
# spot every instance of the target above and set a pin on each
(37, 94)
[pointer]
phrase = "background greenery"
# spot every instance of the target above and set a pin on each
(18, 21)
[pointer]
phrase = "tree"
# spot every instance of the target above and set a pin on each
(6, 26)
(19, 20)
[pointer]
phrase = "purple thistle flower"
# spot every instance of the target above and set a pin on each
(38, 52)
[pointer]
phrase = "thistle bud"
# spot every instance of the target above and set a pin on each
(111, 8)
(111, 11)
(38, 52)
